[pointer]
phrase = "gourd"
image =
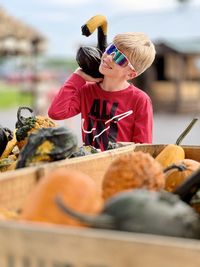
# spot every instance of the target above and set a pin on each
(189, 192)
(188, 189)
(5, 136)
(47, 144)
(76, 188)
(177, 173)
(7, 164)
(114, 145)
(6, 214)
(88, 57)
(195, 202)
(25, 126)
(142, 211)
(84, 151)
(9, 147)
(132, 170)
(174, 152)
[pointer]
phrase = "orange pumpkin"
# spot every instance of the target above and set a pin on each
(130, 171)
(76, 189)
(177, 173)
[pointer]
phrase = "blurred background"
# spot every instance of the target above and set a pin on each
(39, 40)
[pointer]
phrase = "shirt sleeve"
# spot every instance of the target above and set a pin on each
(66, 103)
(143, 126)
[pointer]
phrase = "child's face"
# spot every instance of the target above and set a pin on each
(114, 63)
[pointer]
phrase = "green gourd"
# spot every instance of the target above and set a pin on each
(47, 144)
(26, 125)
(5, 136)
(143, 211)
(84, 151)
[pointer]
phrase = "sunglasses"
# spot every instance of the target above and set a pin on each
(118, 56)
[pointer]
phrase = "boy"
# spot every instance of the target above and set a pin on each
(111, 108)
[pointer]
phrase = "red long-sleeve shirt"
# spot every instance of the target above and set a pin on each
(118, 116)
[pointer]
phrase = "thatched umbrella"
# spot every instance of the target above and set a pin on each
(17, 38)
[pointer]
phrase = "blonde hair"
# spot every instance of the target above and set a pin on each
(138, 48)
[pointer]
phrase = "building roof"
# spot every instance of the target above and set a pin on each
(18, 37)
(183, 46)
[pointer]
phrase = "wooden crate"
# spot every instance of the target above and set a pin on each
(37, 245)
(26, 245)
(16, 184)
(96, 165)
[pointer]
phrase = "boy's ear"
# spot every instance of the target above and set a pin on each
(132, 74)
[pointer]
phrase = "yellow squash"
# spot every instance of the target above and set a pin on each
(174, 152)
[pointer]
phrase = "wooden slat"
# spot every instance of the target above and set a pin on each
(154, 150)
(95, 248)
(192, 152)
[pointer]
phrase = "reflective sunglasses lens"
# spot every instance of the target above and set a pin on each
(119, 58)
(110, 49)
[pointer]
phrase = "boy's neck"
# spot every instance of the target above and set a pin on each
(112, 85)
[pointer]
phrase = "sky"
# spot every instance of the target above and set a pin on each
(60, 21)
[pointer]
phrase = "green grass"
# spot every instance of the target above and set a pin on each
(10, 96)
(62, 63)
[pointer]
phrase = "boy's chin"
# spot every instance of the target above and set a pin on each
(101, 71)
(104, 71)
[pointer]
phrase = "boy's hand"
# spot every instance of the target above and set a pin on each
(87, 77)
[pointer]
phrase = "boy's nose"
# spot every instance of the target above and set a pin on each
(109, 57)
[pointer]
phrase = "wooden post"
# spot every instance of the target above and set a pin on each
(180, 67)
